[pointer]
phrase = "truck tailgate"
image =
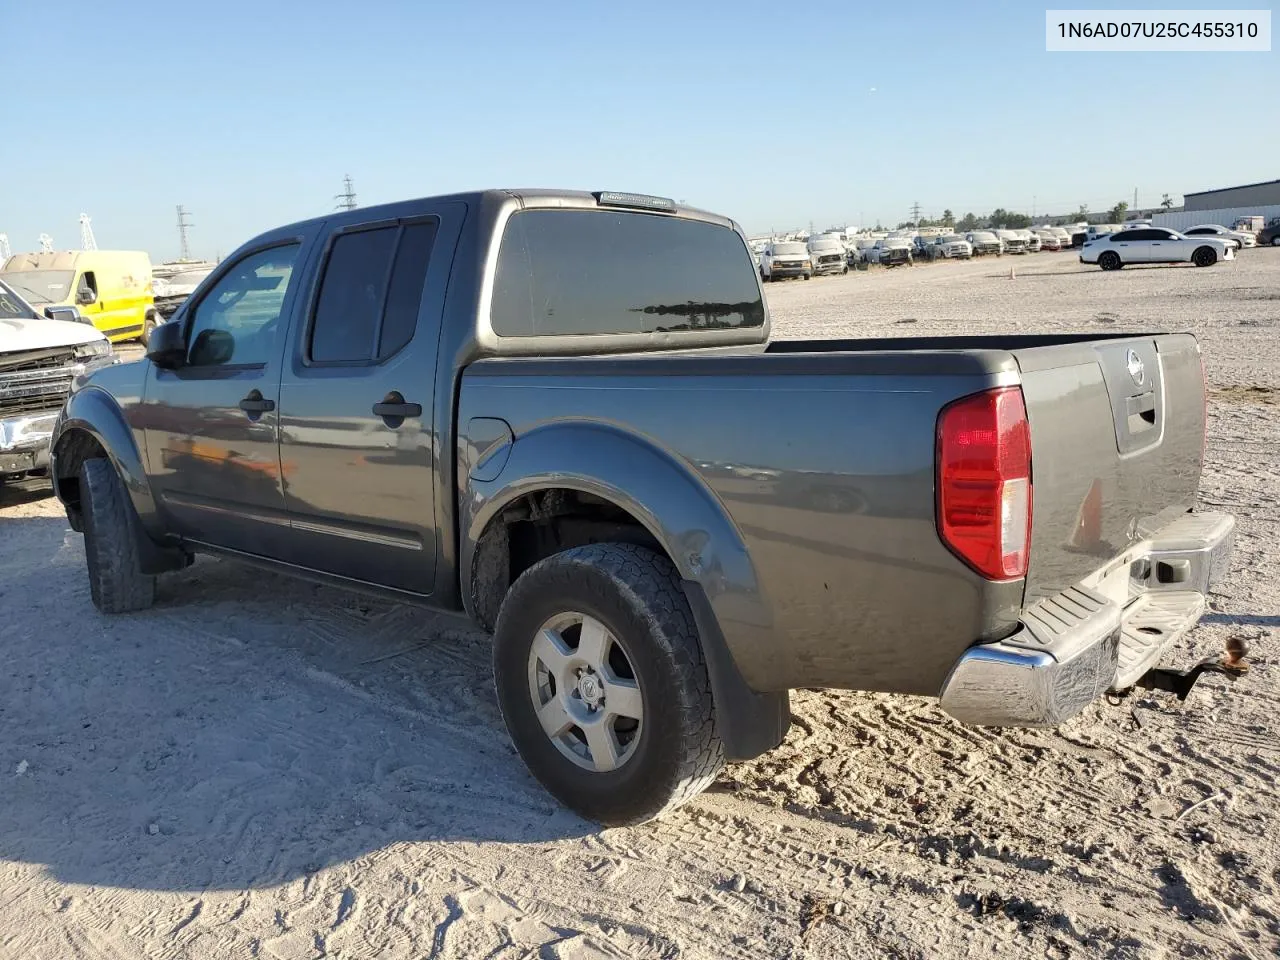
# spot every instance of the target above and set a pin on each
(1117, 440)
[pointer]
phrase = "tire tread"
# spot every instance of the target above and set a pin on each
(650, 583)
(116, 581)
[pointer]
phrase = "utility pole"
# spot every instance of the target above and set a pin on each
(915, 213)
(1033, 206)
(1135, 199)
(347, 198)
(184, 224)
(5, 252)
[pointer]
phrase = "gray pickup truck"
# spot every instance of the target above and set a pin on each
(560, 414)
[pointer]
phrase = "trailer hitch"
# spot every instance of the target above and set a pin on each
(1180, 682)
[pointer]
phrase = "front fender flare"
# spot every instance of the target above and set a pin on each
(691, 525)
(94, 411)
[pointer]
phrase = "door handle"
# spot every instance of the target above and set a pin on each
(393, 409)
(254, 404)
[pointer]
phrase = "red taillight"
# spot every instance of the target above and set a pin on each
(984, 482)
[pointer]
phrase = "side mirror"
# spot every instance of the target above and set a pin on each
(167, 347)
(211, 347)
(69, 314)
(85, 296)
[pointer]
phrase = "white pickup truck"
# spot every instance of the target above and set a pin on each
(39, 359)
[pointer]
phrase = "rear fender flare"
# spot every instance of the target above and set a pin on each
(690, 524)
(95, 412)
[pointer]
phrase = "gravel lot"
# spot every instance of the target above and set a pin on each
(262, 767)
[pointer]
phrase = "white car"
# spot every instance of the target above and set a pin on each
(950, 246)
(1032, 240)
(39, 359)
(1241, 238)
(1155, 245)
(828, 254)
(785, 258)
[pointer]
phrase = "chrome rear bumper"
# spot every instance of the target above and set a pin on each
(1071, 648)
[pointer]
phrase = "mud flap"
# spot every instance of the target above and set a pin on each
(749, 723)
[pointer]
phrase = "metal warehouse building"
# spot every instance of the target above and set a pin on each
(1262, 194)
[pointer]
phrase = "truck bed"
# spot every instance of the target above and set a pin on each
(822, 454)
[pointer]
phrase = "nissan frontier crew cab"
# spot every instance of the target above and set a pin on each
(561, 414)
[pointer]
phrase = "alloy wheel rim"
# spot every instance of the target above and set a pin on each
(585, 692)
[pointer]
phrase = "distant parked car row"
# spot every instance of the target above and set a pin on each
(1110, 245)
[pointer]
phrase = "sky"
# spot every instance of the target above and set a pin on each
(777, 114)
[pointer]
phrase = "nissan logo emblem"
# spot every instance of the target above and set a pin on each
(1133, 363)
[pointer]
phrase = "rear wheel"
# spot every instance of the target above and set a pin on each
(1110, 260)
(116, 581)
(148, 327)
(602, 683)
(1204, 257)
(1275, 241)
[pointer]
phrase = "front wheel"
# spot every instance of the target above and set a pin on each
(1204, 257)
(1275, 241)
(116, 581)
(603, 685)
(1110, 260)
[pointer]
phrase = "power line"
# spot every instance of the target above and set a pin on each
(347, 199)
(184, 224)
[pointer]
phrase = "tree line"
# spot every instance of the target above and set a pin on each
(1003, 219)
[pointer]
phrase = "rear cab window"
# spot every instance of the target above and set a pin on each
(573, 273)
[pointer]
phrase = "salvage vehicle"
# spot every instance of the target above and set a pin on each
(984, 242)
(560, 414)
(891, 251)
(1241, 239)
(1011, 241)
(785, 258)
(828, 255)
(1269, 236)
(110, 288)
(951, 246)
(1155, 245)
(1048, 239)
(1031, 239)
(39, 358)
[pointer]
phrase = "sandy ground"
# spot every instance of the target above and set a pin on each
(261, 767)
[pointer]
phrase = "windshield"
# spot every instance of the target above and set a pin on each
(984, 236)
(826, 244)
(789, 249)
(41, 286)
(951, 238)
(11, 307)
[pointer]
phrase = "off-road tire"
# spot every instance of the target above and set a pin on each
(116, 580)
(636, 594)
(1204, 257)
(1110, 260)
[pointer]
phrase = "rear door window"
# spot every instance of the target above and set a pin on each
(599, 273)
(367, 308)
